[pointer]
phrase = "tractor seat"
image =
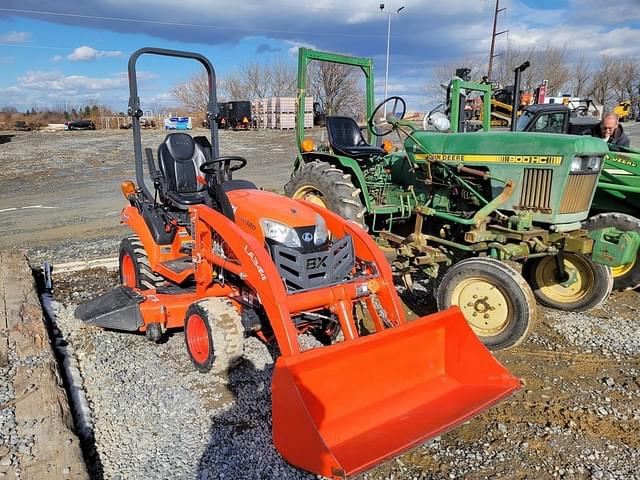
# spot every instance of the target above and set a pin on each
(179, 158)
(346, 139)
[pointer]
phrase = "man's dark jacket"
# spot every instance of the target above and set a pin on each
(618, 138)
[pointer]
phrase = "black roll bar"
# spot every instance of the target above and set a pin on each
(135, 112)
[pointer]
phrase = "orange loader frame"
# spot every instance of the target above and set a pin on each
(252, 263)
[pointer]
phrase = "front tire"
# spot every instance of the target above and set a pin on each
(625, 277)
(214, 335)
(322, 184)
(494, 298)
(134, 267)
(588, 286)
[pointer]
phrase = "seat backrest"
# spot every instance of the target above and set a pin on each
(344, 132)
(179, 158)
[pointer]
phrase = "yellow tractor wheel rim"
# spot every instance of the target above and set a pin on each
(579, 286)
(484, 305)
(310, 194)
(622, 270)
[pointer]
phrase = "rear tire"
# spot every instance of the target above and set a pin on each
(134, 267)
(214, 335)
(494, 298)
(327, 186)
(625, 277)
(588, 287)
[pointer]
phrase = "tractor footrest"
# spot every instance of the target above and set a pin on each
(118, 309)
(178, 265)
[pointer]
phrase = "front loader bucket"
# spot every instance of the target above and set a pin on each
(342, 409)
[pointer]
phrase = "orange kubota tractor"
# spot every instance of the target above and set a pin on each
(222, 259)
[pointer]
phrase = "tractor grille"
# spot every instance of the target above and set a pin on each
(577, 194)
(304, 271)
(536, 189)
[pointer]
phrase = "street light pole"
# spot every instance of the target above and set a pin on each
(386, 71)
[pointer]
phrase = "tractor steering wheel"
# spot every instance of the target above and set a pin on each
(374, 124)
(210, 167)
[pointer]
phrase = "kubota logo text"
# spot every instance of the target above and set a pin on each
(255, 261)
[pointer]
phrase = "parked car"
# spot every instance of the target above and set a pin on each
(79, 125)
(22, 127)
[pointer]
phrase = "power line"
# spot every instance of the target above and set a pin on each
(180, 24)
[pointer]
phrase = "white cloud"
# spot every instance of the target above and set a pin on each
(15, 37)
(71, 84)
(86, 54)
(57, 58)
(293, 51)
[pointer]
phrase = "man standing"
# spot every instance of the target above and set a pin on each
(611, 131)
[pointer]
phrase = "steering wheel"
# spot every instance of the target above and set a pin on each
(210, 167)
(581, 110)
(426, 120)
(373, 124)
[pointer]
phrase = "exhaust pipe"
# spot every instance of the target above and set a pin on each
(516, 94)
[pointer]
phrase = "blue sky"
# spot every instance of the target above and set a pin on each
(74, 52)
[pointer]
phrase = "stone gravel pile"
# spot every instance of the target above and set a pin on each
(155, 416)
(8, 433)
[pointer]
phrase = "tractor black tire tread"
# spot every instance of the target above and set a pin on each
(621, 221)
(147, 278)
(342, 196)
(513, 285)
(227, 333)
(603, 281)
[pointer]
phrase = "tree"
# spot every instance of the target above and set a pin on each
(628, 80)
(604, 81)
(581, 74)
(251, 81)
(336, 87)
(194, 93)
(234, 87)
(283, 80)
(546, 63)
(257, 78)
(443, 74)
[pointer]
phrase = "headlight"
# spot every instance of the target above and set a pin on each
(280, 233)
(576, 164)
(321, 233)
(593, 163)
(590, 164)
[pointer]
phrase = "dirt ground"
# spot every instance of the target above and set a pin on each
(66, 185)
(578, 416)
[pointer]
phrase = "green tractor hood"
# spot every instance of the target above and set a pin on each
(556, 184)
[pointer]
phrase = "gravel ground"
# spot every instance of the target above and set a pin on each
(140, 413)
(579, 416)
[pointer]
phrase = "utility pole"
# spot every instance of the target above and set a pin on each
(493, 38)
(386, 72)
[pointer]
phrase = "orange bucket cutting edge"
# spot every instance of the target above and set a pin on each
(342, 409)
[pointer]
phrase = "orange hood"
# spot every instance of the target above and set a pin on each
(250, 206)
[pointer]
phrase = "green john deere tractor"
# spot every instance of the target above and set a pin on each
(463, 204)
(617, 199)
